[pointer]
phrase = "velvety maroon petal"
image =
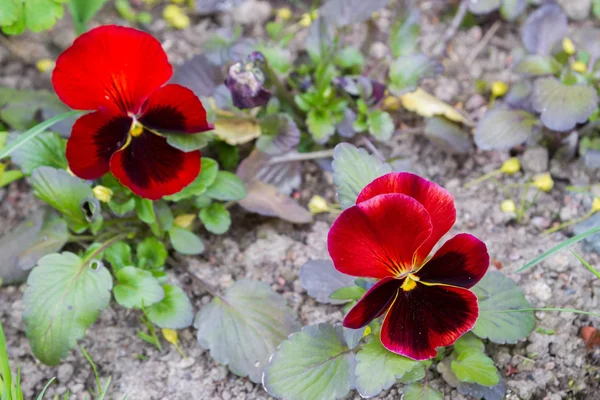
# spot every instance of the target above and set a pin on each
(94, 139)
(374, 303)
(427, 317)
(378, 237)
(461, 261)
(174, 108)
(110, 68)
(151, 168)
(438, 202)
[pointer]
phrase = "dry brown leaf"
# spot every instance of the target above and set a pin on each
(428, 106)
(265, 199)
(590, 336)
(236, 130)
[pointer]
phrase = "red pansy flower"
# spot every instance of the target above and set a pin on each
(119, 73)
(388, 235)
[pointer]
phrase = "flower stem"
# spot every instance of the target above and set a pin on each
(569, 223)
(302, 156)
(482, 178)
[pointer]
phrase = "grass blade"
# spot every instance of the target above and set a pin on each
(559, 247)
(33, 132)
(5, 368)
(41, 396)
(587, 265)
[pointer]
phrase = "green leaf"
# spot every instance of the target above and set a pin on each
(378, 368)
(563, 106)
(320, 125)
(151, 253)
(417, 373)
(277, 57)
(137, 288)
(349, 58)
(207, 176)
(345, 12)
(145, 210)
(535, 65)
(8, 177)
(164, 216)
(483, 6)
(559, 247)
(83, 11)
(185, 242)
(348, 293)
(64, 296)
(404, 35)
(315, 363)
(119, 255)
(33, 132)
(42, 14)
(227, 187)
(353, 169)
(174, 311)
(320, 279)
(188, 142)
(248, 310)
(468, 342)
(381, 125)
(65, 193)
(447, 135)
(407, 72)
(47, 149)
(502, 129)
(512, 9)
(418, 391)
(216, 218)
(496, 322)
(473, 366)
(9, 12)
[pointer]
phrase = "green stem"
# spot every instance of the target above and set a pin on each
(502, 187)
(284, 94)
(521, 209)
(587, 265)
(80, 238)
(106, 245)
(568, 223)
(571, 310)
(483, 178)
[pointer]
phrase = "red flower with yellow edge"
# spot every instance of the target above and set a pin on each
(388, 235)
(119, 73)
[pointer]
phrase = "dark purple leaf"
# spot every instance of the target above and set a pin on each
(199, 75)
(285, 176)
(280, 134)
(502, 129)
(544, 28)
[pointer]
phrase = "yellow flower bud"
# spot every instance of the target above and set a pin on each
(579, 66)
(508, 206)
(314, 14)
(499, 88)
(543, 182)
(596, 204)
(511, 166)
(184, 220)
(180, 21)
(318, 205)
(102, 193)
(170, 336)
(178, 1)
(284, 14)
(568, 46)
(367, 331)
(375, 15)
(171, 11)
(391, 103)
(305, 20)
(45, 65)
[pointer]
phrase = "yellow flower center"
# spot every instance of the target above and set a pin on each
(410, 282)
(136, 129)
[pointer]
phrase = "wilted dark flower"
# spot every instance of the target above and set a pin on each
(245, 82)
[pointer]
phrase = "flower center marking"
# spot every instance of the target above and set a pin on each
(136, 129)
(410, 282)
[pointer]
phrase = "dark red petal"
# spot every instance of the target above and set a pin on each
(174, 108)
(428, 317)
(153, 169)
(110, 67)
(438, 202)
(374, 302)
(378, 237)
(461, 261)
(94, 139)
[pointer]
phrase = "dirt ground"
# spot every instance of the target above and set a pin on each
(546, 366)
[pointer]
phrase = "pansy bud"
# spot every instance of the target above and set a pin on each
(508, 206)
(596, 204)
(543, 182)
(391, 103)
(184, 221)
(170, 336)
(102, 193)
(305, 20)
(579, 66)
(44, 65)
(245, 82)
(499, 88)
(568, 46)
(318, 205)
(511, 166)
(284, 13)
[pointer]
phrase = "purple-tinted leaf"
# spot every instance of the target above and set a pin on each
(280, 134)
(320, 279)
(503, 129)
(199, 75)
(483, 6)
(589, 40)
(591, 159)
(497, 392)
(544, 28)
(320, 39)
(265, 199)
(346, 127)
(519, 96)
(563, 106)
(207, 7)
(346, 12)
(285, 176)
(512, 9)
(536, 65)
(447, 135)
(404, 34)
(407, 72)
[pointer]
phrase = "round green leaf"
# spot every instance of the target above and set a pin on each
(151, 253)
(321, 279)
(418, 391)
(503, 129)
(320, 124)
(244, 327)
(216, 218)
(447, 135)
(174, 311)
(404, 34)
(315, 363)
(473, 366)
(544, 28)
(137, 287)
(353, 169)
(46, 149)
(207, 176)
(378, 369)
(64, 296)
(349, 57)
(185, 242)
(496, 322)
(563, 106)
(407, 72)
(119, 255)
(227, 187)
(535, 65)
(188, 142)
(381, 125)
(467, 342)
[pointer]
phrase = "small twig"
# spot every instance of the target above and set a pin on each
(482, 43)
(461, 12)
(301, 156)
(13, 49)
